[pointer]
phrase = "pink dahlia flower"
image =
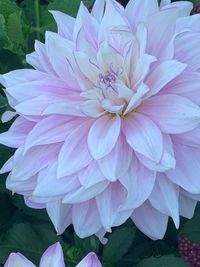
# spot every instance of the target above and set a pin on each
(53, 256)
(108, 123)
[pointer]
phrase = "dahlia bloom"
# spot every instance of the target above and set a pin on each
(53, 256)
(108, 123)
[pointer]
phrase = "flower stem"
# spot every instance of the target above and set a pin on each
(37, 18)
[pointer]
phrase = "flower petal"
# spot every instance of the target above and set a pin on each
(160, 77)
(103, 135)
(75, 144)
(84, 194)
(165, 197)
(90, 260)
(186, 206)
(117, 162)
(143, 136)
(50, 130)
(85, 218)
(53, 256)
(167, 161)
(186, 173)
(139, 182)
(18, 260)
(137, 13)
(172, 113)
(150, 221)
(108, 203)
(60, 215)
(62, 20)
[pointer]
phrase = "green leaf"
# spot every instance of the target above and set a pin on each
(191, 228)
(68, 6)
(33, 214)
(6, 210)
(87, 244)
(164, 261)
(14, 28)
(3, 102)
(3, 34)
(29, 239)
(118, 244)
(7, 7)
(9, 61)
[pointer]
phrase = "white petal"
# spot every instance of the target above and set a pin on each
(186, 206)
(53, 256)
(18, 260)
(150, 221)
(103, 135)
(172, 113)
(75, 144)
(163, 74)
(137, 12)
(83, 194)
(186, 173)
(139, 182)
(86, 219)
(108, 203)
(143, 136)
(60, 215)
(117, 162)
(165, 197)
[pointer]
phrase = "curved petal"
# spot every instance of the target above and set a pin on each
(53, 256)
(186, 173)
(84, 194)
(98, 9)
(139, 182)
(75, 144)
(90, 175)
(53, 129)
(191, 138)
(158, 41)
(150, 221)
(172, 113)
(160, 77)
(56, 187)
(165, 197)
(17, 133)
(60, 55)
(65, 23)
(186, 49)
(108, 203)
(103, 135)
(113, 16)
(60, 215)
(85, 218)
(184, 7)
(167, 161)
(117, 162)
(186, 206)
(18, 260)
(182, 86)
(25, 165)
(137, 13)
(90, 260)
(143, 136)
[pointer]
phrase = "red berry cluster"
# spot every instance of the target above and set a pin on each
(196, 9)
(189, 251)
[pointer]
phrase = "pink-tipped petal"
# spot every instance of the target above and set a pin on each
(18, 260)
(90, 260)
(53, 256)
